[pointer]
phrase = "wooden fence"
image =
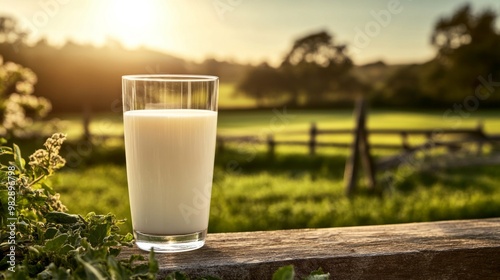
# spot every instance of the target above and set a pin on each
(454, 139)
(474, 135)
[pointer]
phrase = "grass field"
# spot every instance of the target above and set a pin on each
(293, 190)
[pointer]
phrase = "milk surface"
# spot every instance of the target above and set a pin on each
(170, 162)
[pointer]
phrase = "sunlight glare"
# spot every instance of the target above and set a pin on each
(133, 21)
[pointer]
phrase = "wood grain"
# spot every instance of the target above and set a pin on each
(466, 249)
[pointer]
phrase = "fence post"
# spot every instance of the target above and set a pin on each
(351, 166)
(361, 148)
(313, 131)
(364, 148)
(481, 136)
(404, 139)
(270, 145)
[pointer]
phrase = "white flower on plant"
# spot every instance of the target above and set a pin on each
(13, 114)
(49, 157)
(25, 87)
(18, 109)
(12, 67)
(29, 76)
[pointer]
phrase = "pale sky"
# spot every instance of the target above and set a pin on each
(396, 31)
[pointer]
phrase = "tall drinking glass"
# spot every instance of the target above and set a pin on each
(170, 129)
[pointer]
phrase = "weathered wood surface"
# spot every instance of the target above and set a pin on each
(467, 249)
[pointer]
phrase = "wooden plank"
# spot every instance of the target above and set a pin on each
(465, 249)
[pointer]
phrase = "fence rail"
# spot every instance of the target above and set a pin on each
(465, 135)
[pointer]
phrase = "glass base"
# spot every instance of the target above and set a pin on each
(170, 243)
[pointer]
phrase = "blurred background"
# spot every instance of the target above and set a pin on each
(291, 74)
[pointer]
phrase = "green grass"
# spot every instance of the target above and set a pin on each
(229, 97)
(99, 188)
(293, 190)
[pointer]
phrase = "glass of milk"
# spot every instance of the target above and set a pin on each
(170, 126)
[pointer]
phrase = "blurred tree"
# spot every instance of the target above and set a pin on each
(263, 83)
(10, 32)
(18, 106)
(468, 47)
(227, 71)
(403, 87)
(315, 66)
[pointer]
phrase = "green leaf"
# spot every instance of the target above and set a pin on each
(18, 159)
(114, 252)
(5, 150)
(97, 234)
(284, 273)
(153, 263)
(47, 188)
(90, 271)
(53, 272)
(56, 243)
(318, 274)
(66, 249)
(116, 270)
(61, 218)
(50, 233)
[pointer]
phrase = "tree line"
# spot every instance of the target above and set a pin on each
(316, 71)
(319, 72)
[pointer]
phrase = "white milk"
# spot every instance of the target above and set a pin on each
(170, 162)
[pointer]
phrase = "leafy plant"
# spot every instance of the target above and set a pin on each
(39, 239)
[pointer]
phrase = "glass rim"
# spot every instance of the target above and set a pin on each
(170, 78)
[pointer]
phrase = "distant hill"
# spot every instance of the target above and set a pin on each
(376, 73)
(75, 77)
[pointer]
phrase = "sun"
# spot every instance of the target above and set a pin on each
(133, 22)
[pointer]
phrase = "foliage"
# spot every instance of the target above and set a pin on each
(10, 31)
(39, 239)
(312, 71)
(316, 65)
(466, 67)
(18, 106)
(284, 273)
(263, 83)
(403, 88)
(462, 29)
(467, 47)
